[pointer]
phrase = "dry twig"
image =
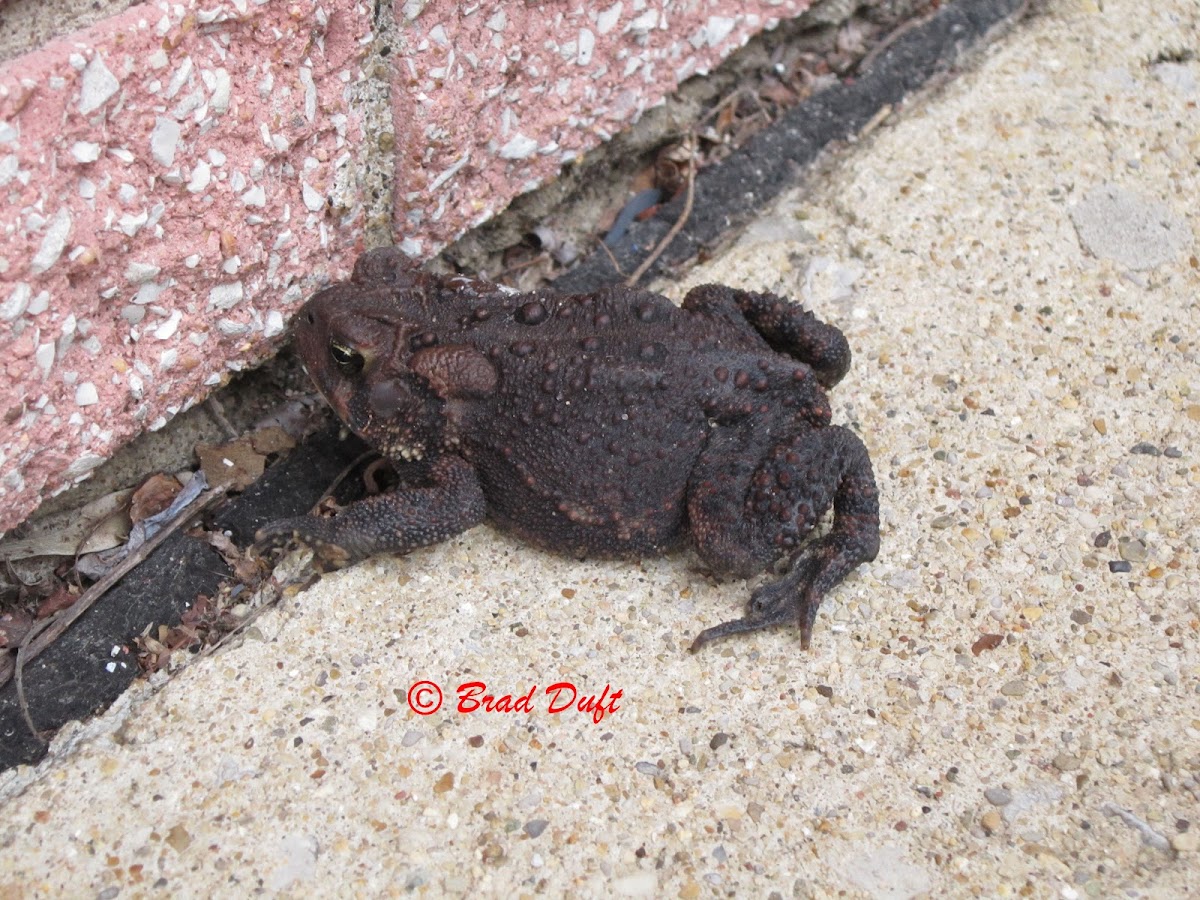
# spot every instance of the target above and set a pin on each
(679, 223)
(342, 476)
(612, 259)
(217, 411)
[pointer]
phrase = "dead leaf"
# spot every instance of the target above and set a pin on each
(96, 565)
(59, 600)
(779, 93)
(244, 569)
(154, 495)
(14, 625)
(152, 654)
(294, 417)
(725, 118)
(104, 522)
(271, 440)
(234, 465)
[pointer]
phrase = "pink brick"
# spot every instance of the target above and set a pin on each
(495, 97)
(167, 177)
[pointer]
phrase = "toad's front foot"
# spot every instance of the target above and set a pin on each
(397, 522)
(310, 531)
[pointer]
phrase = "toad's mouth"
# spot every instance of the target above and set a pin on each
(406, 452)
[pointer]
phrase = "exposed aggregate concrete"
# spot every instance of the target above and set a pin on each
(1004, 376)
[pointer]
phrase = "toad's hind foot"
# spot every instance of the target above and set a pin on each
(820, 566)
(817, 569)
(792, 600)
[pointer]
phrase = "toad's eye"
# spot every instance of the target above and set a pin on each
(347, 359)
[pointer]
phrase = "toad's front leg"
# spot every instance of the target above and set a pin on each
(396, 522)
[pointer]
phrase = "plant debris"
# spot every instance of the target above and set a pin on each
(100, 525)
(155, 494)
(537, 238)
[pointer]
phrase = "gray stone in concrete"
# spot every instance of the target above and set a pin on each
(1137, 231)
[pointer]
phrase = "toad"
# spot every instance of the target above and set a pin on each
(606, 424)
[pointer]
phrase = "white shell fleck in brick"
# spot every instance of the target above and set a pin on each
(164, 139)
(230, 328)
(148, 293)
(85, 151)
(255, 197)
(53, 242)
(519, 147)
(10, 166)
(226, 296)
(86, 394)
(221, 92)
(130, 224)
(310, 93)
(140, 272)
(607, 20)
(43, 358)
(200, 178)
(167, 329)
(97, 85)
(644, 23)
(16, 303)
(586, 45)
(274, 324)
(179, 79)
(313, 200)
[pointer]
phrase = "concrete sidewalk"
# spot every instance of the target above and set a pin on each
(1004, 703)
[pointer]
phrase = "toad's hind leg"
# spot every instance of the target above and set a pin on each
(786, 326)
(787, 495)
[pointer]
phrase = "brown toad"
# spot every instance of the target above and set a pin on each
(606, 424)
